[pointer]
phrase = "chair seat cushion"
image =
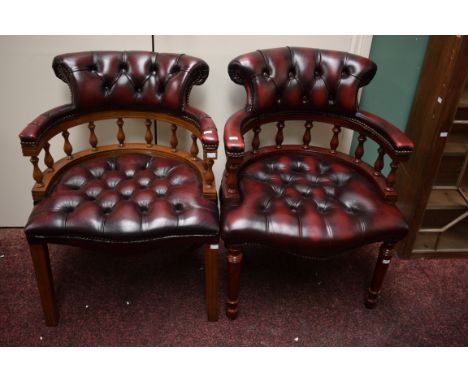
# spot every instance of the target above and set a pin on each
(305, 203)
(126, 198)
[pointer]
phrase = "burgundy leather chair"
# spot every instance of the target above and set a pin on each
(124, 196)
(303, 199)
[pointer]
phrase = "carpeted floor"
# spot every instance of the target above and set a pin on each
(157, 300)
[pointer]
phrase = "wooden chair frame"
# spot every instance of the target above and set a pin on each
(385, 184)
(45, 179)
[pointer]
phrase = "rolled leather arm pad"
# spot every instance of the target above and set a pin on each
(401, 144)
(233, 138)
(209, 133)
(39, 126)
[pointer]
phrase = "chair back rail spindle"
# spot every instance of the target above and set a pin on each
(67, 147)
(120, 133)
(360, 148)
(335, 139)
(279, 134)
(92, 135)
(306, 138)
(256, 139)
(174, 141)
(379, 162)
(194, 147)
(37, 173)
(48, 159)
(148, 133)
(391, 178)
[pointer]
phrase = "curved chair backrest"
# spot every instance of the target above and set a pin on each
(130, 80)
(298, 79)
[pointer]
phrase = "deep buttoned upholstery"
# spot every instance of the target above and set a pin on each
(308, 204)
(299, 198)
(131, 195)
(125, 199)
(302, 78)
(144, 81)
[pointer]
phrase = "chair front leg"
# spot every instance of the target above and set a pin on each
(383, 261)
(234, 258)
(45, 284)
(211, 280)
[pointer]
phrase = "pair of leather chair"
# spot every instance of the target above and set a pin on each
(297, 198)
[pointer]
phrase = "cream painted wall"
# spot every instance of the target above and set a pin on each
(29, 87)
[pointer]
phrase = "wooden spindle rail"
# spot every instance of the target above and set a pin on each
(306, 138)
(391, 178)
(194, 148)
(67, 147)
(174, 141)
(48, 160)
(37, 173)
(149, 133)
(379, 162)
(231, 174)
(92, 135)
(335, 140)
(256, 139)
(209, 176)
(360, 148)
(120, 133)
(279, 134)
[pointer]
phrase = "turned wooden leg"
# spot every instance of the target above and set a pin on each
(211, 280)
(385, 255)
(234, 258)
(45, 284)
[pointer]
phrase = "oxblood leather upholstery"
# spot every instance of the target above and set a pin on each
(297, 80)
(308, 204)
(126, 197)
(130, 198)
(301, 199)
(159, 82)
(301, 78)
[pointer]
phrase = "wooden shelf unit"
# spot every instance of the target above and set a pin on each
(433, 185)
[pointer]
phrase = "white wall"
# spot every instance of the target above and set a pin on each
(29, 87)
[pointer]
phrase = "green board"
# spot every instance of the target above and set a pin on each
(390, 94)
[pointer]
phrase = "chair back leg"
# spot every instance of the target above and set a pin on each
(383, 261)
(211, 280)
(45, 284)
(234, 258)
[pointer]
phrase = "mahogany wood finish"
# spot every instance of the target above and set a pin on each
(211, 280)
(234, 259)
(270, 198)
(92, 135)
(148, 134)
(45, 283)
(383, 261)
(117, 86)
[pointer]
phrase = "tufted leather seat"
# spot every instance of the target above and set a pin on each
(127, 198)
(308, 204)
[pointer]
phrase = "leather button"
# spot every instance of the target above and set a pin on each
(178, 207)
